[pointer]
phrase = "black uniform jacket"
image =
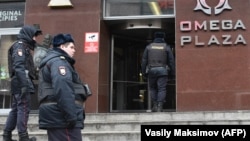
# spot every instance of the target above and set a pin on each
(60, 108)
(21, 66)
(159, 71)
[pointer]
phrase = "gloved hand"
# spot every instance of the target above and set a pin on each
(71, 123)
(24, 90)
(145, 77)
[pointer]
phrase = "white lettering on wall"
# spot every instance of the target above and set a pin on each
(213, 25)
(11, 15)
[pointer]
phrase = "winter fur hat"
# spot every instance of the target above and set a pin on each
(62, 39)
(159, 35)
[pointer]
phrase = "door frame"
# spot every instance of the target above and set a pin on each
(113, 36)
(7, 31)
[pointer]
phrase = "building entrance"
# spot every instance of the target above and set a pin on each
(129, 91)
(7, 37)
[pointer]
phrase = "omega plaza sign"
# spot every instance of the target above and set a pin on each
(227, 26)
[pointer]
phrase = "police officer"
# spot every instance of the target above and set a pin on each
(41, 51)
(157, 64)
(21, 72)
(61, 92)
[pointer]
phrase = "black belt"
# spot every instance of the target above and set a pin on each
(53, 102)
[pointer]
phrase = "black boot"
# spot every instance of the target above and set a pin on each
(25, 137)
(7, 136)
(160, 107)
(154, 108)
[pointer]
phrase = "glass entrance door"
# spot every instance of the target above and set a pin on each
(7, 37)
(129, 91)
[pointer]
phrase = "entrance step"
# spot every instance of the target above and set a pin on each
(126, 126)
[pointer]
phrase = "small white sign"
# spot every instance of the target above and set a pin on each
(91, 37)
(91, 44)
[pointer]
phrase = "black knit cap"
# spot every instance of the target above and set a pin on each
(62, 39)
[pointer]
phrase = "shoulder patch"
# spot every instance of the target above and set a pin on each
(20, 52)
(62, 70)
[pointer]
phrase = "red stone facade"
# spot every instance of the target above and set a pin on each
(209, 77)
(216, 76)
(83, 17)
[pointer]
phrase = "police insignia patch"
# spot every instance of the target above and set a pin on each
(20, 52)
(62, 70)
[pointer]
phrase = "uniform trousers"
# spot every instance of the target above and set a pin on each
(19, 114)
(158, 88)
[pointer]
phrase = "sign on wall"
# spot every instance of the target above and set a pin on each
(91, 44)
(220, 30)
(12, 14)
